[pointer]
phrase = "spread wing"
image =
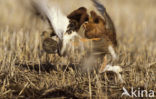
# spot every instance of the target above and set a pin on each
(58, 21)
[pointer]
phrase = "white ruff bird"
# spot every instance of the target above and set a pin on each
(59, 22)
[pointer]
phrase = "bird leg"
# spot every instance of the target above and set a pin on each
(104, 63)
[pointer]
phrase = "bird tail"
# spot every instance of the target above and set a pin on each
(58, 21)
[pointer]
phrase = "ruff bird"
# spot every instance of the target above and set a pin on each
(82, 32)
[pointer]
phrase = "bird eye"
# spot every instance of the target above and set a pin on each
(71, 25)
(96, 21)
(86, 19)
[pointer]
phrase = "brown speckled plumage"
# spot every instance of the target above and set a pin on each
(95, 27)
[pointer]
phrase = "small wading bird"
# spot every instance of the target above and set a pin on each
(82, 33)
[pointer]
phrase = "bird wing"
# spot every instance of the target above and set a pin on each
(59, 22)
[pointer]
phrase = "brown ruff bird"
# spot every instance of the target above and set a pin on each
(103, 39)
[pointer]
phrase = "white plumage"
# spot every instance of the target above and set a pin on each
(57, 19)
(59, 23)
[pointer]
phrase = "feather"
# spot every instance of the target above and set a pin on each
(57, 19)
